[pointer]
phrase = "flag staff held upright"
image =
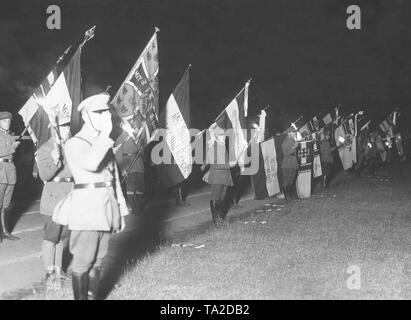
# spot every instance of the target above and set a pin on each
(215, 120)
(89, 34)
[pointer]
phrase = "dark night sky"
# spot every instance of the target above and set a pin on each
(300, 54)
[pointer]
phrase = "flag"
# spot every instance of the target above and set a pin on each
(265, 182)
(54, 101)
(305, 130)
(305, 161)
(387, 126)
(327, 119)
(137, 98)
(345, 140)
(233, 118)
(314, 124)
(176, 119)
(261, 126)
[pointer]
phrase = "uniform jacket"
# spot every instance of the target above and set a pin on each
(126, 154)
(220, 172)
(325, 151)
(53, 192)
(289, 154)
(91, 160)
(7, 169)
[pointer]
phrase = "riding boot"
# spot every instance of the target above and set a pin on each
(287, 193)
(1, 232)
(180, 201)
(324, 185)
(284, 192)
(221, 211)
(213, 205)
(80, 285)
(93, 283)
(293, 192)
(3, 223)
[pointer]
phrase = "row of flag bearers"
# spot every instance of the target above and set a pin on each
(315, 151)
(89, 149)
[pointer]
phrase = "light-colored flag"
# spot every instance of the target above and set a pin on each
(327, 119)
(233, 117)
(261, 125)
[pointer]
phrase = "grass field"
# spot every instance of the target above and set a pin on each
(303, 251)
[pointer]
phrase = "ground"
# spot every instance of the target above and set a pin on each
(352, 241)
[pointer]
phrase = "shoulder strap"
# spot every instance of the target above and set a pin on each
(85, 140)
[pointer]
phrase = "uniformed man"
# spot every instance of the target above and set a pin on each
(219, 176)
(289, 164)
(8, 145)
(58, 182)
(97, 203)
(126, 152)
(326, 157)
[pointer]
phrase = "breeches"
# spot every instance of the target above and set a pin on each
(6, 192)
(88, 249)
(289, 175)
(55, 232)
(326, 168)
(218, 191)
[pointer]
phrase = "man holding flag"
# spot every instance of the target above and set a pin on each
(8, 146)
(289, 164)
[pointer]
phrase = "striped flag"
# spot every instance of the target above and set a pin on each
(234, 118)
(176, 119)
(54, 101)
(137, 98)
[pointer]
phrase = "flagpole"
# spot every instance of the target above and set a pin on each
(139, 134)
(293, 124)
(215, 120)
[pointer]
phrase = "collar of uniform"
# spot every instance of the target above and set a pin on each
(4, 131)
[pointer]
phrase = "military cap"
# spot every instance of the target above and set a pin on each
(97, 102)
(5, 115)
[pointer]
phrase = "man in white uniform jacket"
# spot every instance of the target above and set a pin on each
(97, 205)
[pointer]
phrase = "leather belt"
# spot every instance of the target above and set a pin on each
(5, 160)
(95, 185)
(60, 179)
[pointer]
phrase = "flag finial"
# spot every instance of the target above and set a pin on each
(89, 34)
(156, 29)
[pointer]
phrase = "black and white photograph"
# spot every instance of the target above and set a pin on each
(216, 152)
